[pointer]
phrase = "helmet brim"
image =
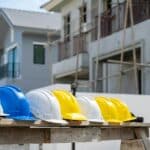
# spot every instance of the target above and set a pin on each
(130, 119)
(23, 118)
(74, 117)
(4, 115)
(96, 121)
(114, 121)
(55, 121)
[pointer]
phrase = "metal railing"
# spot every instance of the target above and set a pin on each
(64, 50)
(79, 44)
(10, 70)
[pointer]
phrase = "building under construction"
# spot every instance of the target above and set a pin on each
(104, 42)
(104, 47)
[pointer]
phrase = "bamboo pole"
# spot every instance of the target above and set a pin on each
(123, 43)
(98, 47)
(117, 74)
(133, 47)
(128, 63)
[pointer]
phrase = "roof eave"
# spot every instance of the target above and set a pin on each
(49, 6)
(37, 30)
(54, 6)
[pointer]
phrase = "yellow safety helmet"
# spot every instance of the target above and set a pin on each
(108, 109)
(124, 113)
(70, 108)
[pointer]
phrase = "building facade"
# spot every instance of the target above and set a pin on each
(25, 58)
(94, 30)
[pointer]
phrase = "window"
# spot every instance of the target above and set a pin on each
(107, 4)
(67, 27)
(83, 14)
(1, 54)
(39, 54)
(12, 66)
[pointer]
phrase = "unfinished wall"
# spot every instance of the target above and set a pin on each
(111, 45)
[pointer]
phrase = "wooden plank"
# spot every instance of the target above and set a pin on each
(110, 125)
(39, 123)
(135, 124)
(77, 123)
(132, 145)
(89, 134)
(143, 134)
(23, 135)
(68, 135)
(117, 133)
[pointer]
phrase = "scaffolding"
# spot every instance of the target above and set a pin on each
(134, 66)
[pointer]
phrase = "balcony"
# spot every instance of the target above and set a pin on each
(68, 58)
(10, 70)
(112, 20)
(67, 67)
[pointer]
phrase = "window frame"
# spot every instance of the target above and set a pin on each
(83, 13)
(12, 62)
(67, 26)
(35, 62)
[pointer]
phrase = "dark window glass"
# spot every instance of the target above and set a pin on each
(67, 27)
(83, 14)
(39, 54)
(12, 66)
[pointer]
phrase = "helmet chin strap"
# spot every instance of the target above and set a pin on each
(74, 87)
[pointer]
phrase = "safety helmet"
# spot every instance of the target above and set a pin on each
(15, 103)
(44, 106)
(124, 113)
(90, 109)
(70, 108)
(108, 109)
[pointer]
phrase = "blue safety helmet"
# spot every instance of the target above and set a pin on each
(15, 103)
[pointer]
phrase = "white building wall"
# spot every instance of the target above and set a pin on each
(72, 8)
(14, 147)
(50, 147)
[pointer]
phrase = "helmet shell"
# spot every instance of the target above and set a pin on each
(90, 109)
(124, 113)
(15, 103)
(70, 108)
(108, 109)
(44, 106)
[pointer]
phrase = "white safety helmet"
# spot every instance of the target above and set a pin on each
(90, 109)
(45, 106)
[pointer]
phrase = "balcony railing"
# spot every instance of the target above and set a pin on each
(112, 20)
(64, 50)
(78, 44)
(10, 70)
